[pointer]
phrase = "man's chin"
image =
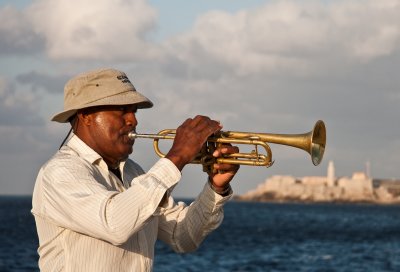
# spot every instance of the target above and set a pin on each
(128, 151)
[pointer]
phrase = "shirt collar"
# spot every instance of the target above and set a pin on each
(84, 151)
(75, 143)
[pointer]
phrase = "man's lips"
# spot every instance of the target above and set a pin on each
(126, 138)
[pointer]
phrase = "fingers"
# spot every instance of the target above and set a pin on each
(190, 138)
(202, 124)
(224, 167)
(223, 174)
(224, 150)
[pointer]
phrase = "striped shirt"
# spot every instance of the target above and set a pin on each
(88, 220)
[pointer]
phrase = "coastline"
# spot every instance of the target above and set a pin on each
(358, 189)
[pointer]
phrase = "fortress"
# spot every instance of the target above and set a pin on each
(360, 188)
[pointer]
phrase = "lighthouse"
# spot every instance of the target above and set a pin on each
(331, 174)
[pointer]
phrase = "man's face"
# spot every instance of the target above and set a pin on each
(109, 128)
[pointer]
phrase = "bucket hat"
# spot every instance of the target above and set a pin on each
(99, 87)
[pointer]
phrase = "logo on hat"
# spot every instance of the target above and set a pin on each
(124, 79)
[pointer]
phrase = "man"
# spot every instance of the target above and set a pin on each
(95, 209)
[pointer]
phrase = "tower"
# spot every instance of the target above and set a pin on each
(331, 174)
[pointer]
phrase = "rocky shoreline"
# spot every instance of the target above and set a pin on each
(358, 189)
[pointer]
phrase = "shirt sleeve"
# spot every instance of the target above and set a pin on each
(185, 227)
(72, 198)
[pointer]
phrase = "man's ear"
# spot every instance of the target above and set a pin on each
(84, 117)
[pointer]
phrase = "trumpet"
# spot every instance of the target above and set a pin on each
(312, 142)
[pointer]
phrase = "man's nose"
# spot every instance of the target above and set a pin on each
(130, 119)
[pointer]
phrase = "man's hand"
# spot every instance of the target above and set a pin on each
(190, 138)
(223, 173)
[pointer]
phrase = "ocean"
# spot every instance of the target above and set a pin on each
(253, 237)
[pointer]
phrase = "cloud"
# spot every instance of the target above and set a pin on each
(17, 36)
(23, 149)
(280, 36)
(17, 108)
(296, 37)
(49, 83)
(106, 30)
(27, 140)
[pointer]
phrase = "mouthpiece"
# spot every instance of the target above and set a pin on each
(132, 135)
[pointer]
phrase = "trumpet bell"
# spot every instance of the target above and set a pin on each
(318, 141)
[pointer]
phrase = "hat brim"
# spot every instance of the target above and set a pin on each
(126, 98)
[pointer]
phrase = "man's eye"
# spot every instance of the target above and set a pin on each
(126, 109)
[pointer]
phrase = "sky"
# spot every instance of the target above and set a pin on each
(257, 66)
